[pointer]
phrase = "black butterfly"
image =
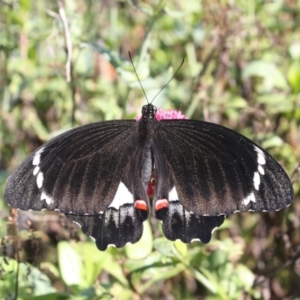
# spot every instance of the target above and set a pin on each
(98, 174)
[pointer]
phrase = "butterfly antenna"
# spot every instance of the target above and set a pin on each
(137, 76)
(162, 87)
(169, 80)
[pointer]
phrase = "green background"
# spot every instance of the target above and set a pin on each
(241, 70)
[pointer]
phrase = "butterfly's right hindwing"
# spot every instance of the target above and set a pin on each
(113, 227)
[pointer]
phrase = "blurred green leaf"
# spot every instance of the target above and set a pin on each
(246, 277)
(143, 247)
(154, 258)
(181, 248)
(31, 281)
(295, 50)
(70, 264)
(163, 274)
(272, 142)
(269, 72)
(52, 296)
(294, 75)
(276, 103)
(164, 246)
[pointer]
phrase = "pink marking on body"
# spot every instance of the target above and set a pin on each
(141, 204)
(161, 203)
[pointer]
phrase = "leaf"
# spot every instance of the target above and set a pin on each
(276, 103)
(113, 267)
(154, 258)
(271, 75)
(69, 264)
(181, 248)
(52, 296)
(91, 259)
(31, 281)
(294, 75)
(163, 274)
(295, 50)
(164, 246)
(272, 141)
(207, 281)
(246, 276)
(80, 264)
(143, 247)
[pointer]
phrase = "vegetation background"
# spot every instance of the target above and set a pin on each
(65, 63)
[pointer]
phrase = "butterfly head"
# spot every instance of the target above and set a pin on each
(149, 111)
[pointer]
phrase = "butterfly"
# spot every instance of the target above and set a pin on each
(98, 175)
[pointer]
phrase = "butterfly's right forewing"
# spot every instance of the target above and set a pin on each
(77, 172)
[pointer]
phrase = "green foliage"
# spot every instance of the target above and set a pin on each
(241, 70)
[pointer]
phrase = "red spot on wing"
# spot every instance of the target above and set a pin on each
(141, 204)
(161, 203)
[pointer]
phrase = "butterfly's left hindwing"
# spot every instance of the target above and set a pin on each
(179, 223)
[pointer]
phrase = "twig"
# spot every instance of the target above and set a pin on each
(68, 40)
(14, 215)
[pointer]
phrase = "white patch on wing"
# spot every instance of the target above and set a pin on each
(176, 208)
(128, 213)
(36, 170)
(261, 161)
(173, 195)
(40, 180)
(37, 157)
(46, 197)
(256, 180)
(250, 197)
(261, 170)
(123, 196)
(260, 156)
(187, 217)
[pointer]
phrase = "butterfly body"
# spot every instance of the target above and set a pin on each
(98, 174)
